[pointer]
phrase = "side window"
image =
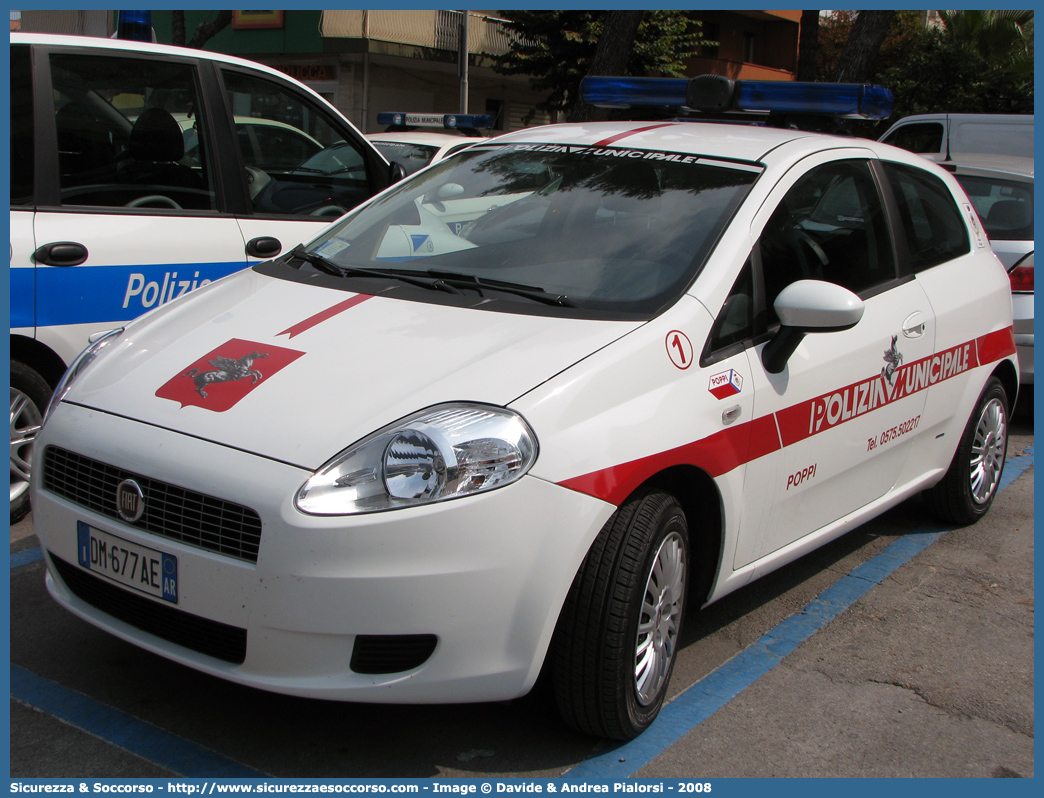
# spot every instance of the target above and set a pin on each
(830, 226)
(735, 322)
(122, 126)
(918, 137)
(22, 138)
(298, 160)
(934, 228)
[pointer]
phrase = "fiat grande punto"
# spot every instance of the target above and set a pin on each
(526, 409)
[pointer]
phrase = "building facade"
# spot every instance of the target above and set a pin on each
(365, 62)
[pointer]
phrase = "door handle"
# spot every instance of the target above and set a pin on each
(730, 415)
(264, 247)
(915, 325)
(61, 253)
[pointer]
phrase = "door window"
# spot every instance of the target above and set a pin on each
(830, 226)
(122, 124)
(299, 161)
(21, 127)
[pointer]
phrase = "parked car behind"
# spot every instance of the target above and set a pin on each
(109, 215)
(1001, 189)
(409, 139)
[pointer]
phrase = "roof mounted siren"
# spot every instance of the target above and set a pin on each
(468, 124)
(782, 103)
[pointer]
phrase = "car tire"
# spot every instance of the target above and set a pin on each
(30, 394)
(971, 482)
(616, 641)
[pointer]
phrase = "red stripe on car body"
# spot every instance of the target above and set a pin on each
(625, 134)
(322, 316)
(723, 451)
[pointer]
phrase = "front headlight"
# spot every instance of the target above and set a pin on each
(440, 453)
(79, 365)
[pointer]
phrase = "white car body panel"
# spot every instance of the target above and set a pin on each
(362, 368)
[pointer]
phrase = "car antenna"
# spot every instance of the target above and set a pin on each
(948, 158)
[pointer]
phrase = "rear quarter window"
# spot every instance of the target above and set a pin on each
(932, 223)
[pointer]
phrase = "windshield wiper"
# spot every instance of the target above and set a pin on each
(328, 266)
(527, 291)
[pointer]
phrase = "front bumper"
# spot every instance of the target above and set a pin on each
(485, 575)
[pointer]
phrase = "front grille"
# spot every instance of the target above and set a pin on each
(212, 638)
(183, 515)
(391, 653)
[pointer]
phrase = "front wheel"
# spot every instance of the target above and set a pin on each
(30, 394)
(971, 482)
(617, 637)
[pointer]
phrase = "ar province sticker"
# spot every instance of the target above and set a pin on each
(726, 384)
(223, 376)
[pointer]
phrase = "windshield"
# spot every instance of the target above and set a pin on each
(601, 229)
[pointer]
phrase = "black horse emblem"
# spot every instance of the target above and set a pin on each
(226, 370)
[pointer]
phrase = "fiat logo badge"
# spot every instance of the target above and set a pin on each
(130, 501)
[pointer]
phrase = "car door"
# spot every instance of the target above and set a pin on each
(845, 416)
(123, 225)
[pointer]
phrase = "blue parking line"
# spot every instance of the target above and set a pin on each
(143, 739)
(698, 702)
(26, 556)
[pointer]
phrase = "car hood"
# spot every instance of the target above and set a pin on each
(298, 372)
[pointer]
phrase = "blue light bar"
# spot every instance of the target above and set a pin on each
(134, 26)
(849, 100)
(625, 92)
(449, 121)
(716, 93)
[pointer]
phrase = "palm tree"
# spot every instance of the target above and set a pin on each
(1004, 38)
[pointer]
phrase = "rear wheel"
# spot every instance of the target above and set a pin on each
(616, 641)
(971, 482)
(30, 394)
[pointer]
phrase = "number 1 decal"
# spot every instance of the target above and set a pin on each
(679, 349)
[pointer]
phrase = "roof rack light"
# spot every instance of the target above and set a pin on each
(718, 94)
(450, 121)
(134, 26)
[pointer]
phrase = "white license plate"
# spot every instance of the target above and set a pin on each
(130, 564)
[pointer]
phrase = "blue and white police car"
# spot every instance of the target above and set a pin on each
(410, 141)
(643, 364)
(136, 178)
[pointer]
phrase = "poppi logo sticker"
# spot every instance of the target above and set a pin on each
(727, 383)
(223, 376)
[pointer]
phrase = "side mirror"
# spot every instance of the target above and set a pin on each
(808, 306)
(396, 172)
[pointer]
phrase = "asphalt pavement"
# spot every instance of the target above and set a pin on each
(904, 649)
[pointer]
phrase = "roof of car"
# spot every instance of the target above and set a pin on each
(422, 137)
(737, 142)
(133, 46)
(983, 164)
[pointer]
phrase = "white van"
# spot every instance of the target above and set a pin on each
(992, 134)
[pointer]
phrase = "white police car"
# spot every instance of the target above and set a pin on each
(413, 149)
(411, 463)
(135, 179)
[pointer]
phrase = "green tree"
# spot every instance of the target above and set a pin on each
(556, 48)
(204, 32)
(956, 69)
(1004, 39)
